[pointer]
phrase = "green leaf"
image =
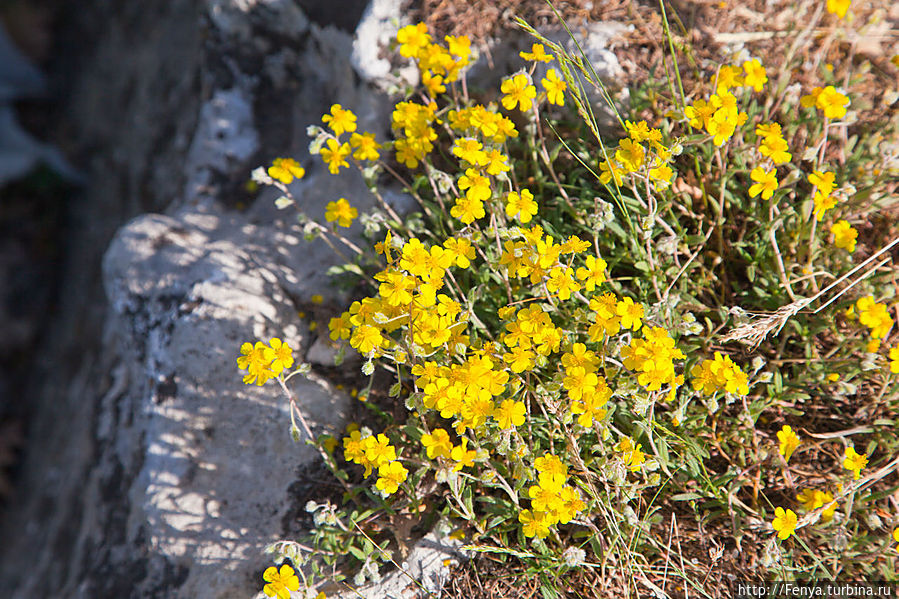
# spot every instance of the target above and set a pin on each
(686, 496)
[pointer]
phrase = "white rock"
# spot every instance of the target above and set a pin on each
(217, 456)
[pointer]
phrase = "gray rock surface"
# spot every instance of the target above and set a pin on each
(215, 457)
(423, 573)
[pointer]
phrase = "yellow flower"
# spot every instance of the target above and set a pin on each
(789, 441)
(609, 170)
(510, 413)
(280, 354)
(353, 448)
(896, 537)
(700, 113)
(468, 209)
(894, 359)
(537, 53)
(875, 316)
(661, 175)
(463, 456)
(477, 186)
(286, 170)
(554, 469)
(365, 146)
(855, 462)
(776, 148)
(784, 523)
(765, 182)
(366, 338)
(823, 203)
(534, 524)
(461, 251)
(280, 582)
(335, 155)
(828, 99)
(832, 102)
(396, 287)
(497, 162)
(341, 211)
(823, 181)
(521, 205)
(471, 151)
(412, 39)
(630, 155)
(340, 327)
(340, 120)
(434, 83)
(378, 450)
(390, 476)
(518, 90)
(633, 456)
(593, 273)
(555, 88)
(844, 236)
(437, 444)
(728, 77)
(561, 282)
(812, 499)
(838, 7)
(459, 45)
(755, 76)
(590, 406)
(833, 377)
(519, 359)
(631, 314)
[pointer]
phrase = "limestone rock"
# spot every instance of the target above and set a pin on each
(210, 461)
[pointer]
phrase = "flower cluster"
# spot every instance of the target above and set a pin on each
(438, 65)
(336, 153)
(587, 390)
(875, 316)
(526, 365)
(263, 362)
(375, 451)
(772, 144)
(823, 197)
(720, 115)
(831, 102)
(653, 357)
(719, 374)
(650, 162)
(552, 499)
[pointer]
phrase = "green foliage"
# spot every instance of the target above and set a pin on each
(591, 334)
